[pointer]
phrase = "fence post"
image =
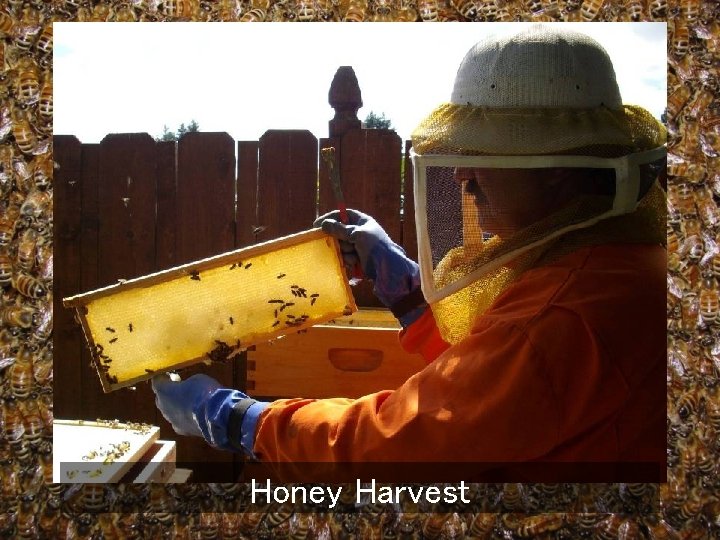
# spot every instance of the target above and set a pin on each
(344, 96)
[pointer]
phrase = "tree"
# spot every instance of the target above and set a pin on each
(373, 121)
(168, 135)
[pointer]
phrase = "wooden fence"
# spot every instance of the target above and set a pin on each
(129, 206)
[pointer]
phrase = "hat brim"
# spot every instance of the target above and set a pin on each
(600, 132)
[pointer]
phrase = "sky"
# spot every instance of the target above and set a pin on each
(245, 79)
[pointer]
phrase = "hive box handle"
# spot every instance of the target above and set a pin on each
(355, 359)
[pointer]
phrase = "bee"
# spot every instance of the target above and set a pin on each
(712, 414)
(681, 39)
(513, 497)
(8, 222)
(689, 311)
(36, 205)
(469, 9)
(254, 15)
(45, 100)
(26, 524)
(542, 524)
(6, 269)
(304, 11)
(50, 517)
(43, 172)
(326, 10)
(689, 145)
(428, 10)
(482, 525)
(682, 197)
(248, 265)
(707, 207)
(534, 7)
(356, 11)
(279, 515)
(21, 374)
(690, 10)
(635, 10)
(616, 526)
(433, 524)
(42, 369)
(162, 504)
(10, 486)
(29, 286)
(590, 9)
(229, 526)
(27, 29)
(689, 510)
(35, 427)
(195, 275)
(701, 102)
(25, 137)
(17, 316)
(689, 404)
(125, 13)
(44, 43)
(300, 526)
(657, 9)
(101, 12)
(13, 426)
(7, 23)
(406, 14)
(106, 526)
(280, 276)
(249, 521)
(45, 260)
(27, 82)
(690, 172)
(26, 248)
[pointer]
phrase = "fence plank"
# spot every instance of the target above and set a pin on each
(370, 169)
(67, 225)
(287, 182)
(370, 173)
(88, 269)
(205, 196)
(126, 198)
(165, 225)
(247, 179)
(245, 220)
(205, 227)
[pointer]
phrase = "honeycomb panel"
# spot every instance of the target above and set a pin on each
(211, 310)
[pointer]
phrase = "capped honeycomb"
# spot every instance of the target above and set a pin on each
(214, 308)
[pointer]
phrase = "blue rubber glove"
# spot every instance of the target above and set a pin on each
(201, 407)
(396, 277)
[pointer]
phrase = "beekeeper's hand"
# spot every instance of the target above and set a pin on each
(396, 277)
(200, 406)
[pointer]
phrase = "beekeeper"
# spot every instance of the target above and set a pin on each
(541, 231)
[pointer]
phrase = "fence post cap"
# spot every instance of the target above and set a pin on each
(345, 97)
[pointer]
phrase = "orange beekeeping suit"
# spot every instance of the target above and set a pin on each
(568, 365)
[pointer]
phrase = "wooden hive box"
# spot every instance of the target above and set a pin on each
(347, 357)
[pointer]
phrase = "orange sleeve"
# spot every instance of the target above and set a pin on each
(484, 400)
(423, 337)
